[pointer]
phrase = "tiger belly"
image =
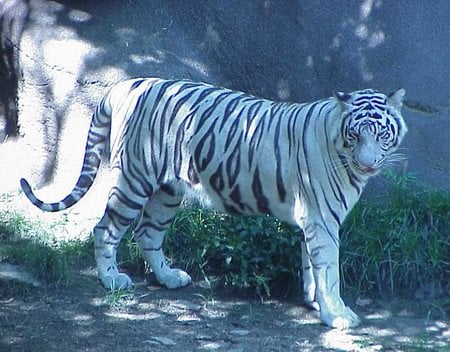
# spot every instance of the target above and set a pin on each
(248, 196)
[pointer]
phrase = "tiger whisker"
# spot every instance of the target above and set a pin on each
(395, 158)
(340, 163)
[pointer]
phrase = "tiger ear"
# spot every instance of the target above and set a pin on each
(396, 98)
(343, 97)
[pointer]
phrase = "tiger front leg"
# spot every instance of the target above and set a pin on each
(309, 283)
(322, 249)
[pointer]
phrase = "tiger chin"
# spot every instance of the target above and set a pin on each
(305, 164)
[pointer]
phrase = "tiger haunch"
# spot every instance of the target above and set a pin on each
(306, 164)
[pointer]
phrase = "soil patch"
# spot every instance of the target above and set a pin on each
(84, 317)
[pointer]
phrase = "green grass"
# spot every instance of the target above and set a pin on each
(34, 246)
(396, 244)
(118, 298)
(390, 245)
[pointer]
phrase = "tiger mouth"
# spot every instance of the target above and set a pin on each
(369, 170)
(366, 170)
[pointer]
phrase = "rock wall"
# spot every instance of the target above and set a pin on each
(66, 53)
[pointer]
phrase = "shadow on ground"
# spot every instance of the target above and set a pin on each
(83, 317)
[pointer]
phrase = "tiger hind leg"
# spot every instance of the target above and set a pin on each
(119, 214)
(156, 217)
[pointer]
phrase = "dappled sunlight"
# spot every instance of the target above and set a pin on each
(379, 315)
(83, 317)
(144, 59)
(197, 65)
(158, 318)
(340, 339)
(79, 16)
(134, 317)
(73, 52)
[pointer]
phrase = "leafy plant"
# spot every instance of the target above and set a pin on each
(399, 242)
(244, 252)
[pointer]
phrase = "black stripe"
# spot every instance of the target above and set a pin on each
(205, 116)
(235, 196)
(164, 166)
(192, 173)
(180, 102)
(256, 139)
(230, 209)
(95, 137)
(216, 180)
(354, 181)
(330, 209)
(124, 198)
(136, 84)
(177, 148)
(279, 163)
(130, 170)
(118, 220)
(233, 164)
(252, 114)
(262, 202)
(229, 109)
(232, 132)
(160, 227)
(205, 148)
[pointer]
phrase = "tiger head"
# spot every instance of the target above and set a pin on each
(372, 128)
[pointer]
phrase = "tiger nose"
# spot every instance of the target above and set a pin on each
(366, 161)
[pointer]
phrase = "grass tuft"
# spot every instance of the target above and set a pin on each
(399, 243)
(35, 247)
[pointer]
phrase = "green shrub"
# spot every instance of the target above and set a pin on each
(398, 242)
(243, 252)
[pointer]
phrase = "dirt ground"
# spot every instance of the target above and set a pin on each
(84, 317)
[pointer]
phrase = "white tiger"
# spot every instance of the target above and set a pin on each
(305, 164)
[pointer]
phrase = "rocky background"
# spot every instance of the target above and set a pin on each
(59, 57)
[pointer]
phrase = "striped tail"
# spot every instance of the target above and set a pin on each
(95, 146)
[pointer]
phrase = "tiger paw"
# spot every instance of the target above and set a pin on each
(311, 304)
(119, 282)
(174, 278)
(344, 320)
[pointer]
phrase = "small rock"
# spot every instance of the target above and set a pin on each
(163, 341)
(429, 290)
(188, 319)
(363, 302)
(239, 332)
(186, 305)
(16, 273)
(211, 346)
(203, 337)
